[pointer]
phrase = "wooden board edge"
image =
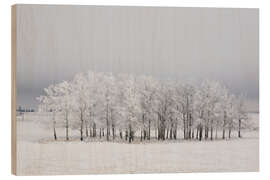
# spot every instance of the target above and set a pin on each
(13, 92)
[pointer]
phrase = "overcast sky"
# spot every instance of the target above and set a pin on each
(56, 42)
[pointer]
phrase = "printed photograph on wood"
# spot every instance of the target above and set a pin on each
(109, 90)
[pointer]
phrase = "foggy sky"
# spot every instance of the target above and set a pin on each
(56, 42)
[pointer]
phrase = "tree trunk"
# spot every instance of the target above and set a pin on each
(216, 132)
(171, 129)
(197, 132)
(162, 128)
(187, 118)
(200, 132)
(113, 125)
(184, 121)
(149, 129)
(239, 128)
(94, 130)
(107, 121)
(130, 134)
(175, 131)
(142, 130)
(206, 131)
(54, 134)
(126, 134)
(158, 128)
(81, 126)
(113, 131)
(211, 130)
(207, 125)
(67, 138)
(224, 125)
(91, 132)
(189, 126)
(158, 133)
(144, 134)
(86, 131)
(54, 128)
(120, 134)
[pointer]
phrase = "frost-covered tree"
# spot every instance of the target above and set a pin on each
(93, 101)
(147, 94)
(211, 90)
(241, 112)
(184, 101)
(49, 103)
(128, 104)
(79, 100)
(163, 109)
(65, 102)
(109, 101)
(226, 107)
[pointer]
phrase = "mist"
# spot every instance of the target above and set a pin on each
(188, 44)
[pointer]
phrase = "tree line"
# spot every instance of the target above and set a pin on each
(103, 105)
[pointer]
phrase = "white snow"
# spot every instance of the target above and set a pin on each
(35, 158)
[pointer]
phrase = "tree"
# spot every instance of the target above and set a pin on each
(63, 91)
(226, 107)
(241, 112)
(79, 95)
(47, 105)
(126, 104)
(50, 103)
(93, 100)
(130, 105)
(185, 98)
(147, 92)
(164, 104)
(211, 91)
(109, 94)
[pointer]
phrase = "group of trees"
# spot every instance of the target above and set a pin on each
(107, 106)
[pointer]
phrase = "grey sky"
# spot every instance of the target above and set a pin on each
(56, 42)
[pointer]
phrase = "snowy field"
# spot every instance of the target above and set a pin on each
(37, 157)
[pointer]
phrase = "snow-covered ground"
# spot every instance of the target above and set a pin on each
(49, 158)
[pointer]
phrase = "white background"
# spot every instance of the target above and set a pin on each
(5, 86)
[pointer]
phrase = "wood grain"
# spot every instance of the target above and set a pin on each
(13, 91)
